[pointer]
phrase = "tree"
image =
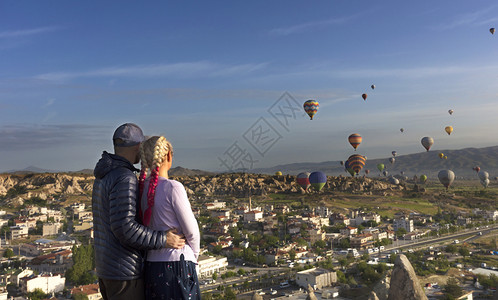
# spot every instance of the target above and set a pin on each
(37, 294)
(80, 297)
(215, 276)
(452, 288)
(8, 253)
(83, 264)
(292, 254)
(229, 294)
(401, 232)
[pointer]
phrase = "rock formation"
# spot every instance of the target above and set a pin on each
(311, 293)
(256, 296)
(237, 185)
(404, 284)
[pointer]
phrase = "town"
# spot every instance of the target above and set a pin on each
(262, 236)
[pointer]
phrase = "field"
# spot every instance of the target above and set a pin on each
(465, 196)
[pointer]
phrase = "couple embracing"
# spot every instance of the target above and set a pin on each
(146, 237)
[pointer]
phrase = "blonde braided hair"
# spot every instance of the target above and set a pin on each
(152, 155)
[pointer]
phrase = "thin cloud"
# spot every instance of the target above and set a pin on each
(26, 32)
(50, 102)
(299, 28)
(187, 69)
(468, 19)
(25, 137)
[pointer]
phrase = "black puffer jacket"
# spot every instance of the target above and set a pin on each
(119, 238)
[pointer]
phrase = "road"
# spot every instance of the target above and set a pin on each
(419, 243)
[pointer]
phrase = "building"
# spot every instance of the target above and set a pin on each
(76, 207)
(92, 291)
(51, 228)
(403, 222)
(215, 205)
(44, 246)
(85, 225)
(48, 283)
(362, 241)
(18, 232)
(57, 262)
(316, 235)
(253, 216)
(349, 231)
(209, 265)
(316, 277)
(13, 276)
(323, 211)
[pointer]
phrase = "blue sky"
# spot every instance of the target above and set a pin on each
(210, 76)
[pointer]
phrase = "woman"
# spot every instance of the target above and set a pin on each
(169, 273)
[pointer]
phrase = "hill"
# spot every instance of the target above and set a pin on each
(459, 161)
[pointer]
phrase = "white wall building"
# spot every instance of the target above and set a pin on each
(316, 277)
(253, 216)
(47, 283)
(403, 223)
(208, 265)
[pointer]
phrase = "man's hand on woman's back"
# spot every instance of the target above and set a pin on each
(173, 240)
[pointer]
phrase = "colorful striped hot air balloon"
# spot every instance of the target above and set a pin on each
(355, 140)
(311, 107)
(357, 162)
(303, 180)
(318, 180)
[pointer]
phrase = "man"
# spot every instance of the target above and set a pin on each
(119, 238)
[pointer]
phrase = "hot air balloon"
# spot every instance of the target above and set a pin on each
(448, 129)
(311, 107)
(373, 86)
(441, 155)
(450, 111)
(303, 180)
(393, 180)
(318, 180)
(385, 173)
(364, 96)
(356, 162)
(492, 30)
(394, 153)
(402, 130)
(445, 157)
(367, 171)
(477, 169)
(278, 173)
(392, 160)
(446, 177)
(483, 175)
(380, 167)
(423, 178)
(342, 163)
(348, 168)
(485, 182)
(427, 142)
(355, 140)
(402, 172)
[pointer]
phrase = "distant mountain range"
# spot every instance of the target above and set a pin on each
(177, 171)
(459, 161)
